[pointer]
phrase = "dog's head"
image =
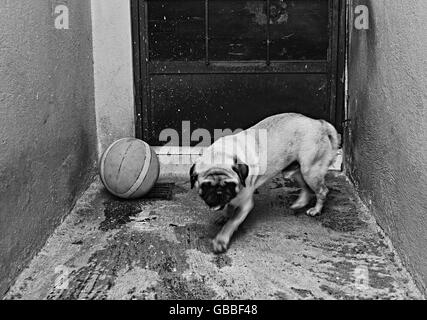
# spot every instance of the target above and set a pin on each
(218, 185)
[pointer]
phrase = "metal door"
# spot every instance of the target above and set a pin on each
(218, 64)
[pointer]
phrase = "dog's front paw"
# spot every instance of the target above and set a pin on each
(220, 244)
(313, 212)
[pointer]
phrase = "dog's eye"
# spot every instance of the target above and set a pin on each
(231, 187)
(206, 184)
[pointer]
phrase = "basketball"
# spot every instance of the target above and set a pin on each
(129, 168)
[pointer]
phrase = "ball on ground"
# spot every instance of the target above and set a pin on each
(129, 168)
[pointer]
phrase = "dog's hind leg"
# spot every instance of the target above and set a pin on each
(314, 176)
(304, 195)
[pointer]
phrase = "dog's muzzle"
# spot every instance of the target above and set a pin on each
(217, 197)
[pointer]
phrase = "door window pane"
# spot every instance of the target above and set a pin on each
(237, 30)
(176, 30)
(299, 30)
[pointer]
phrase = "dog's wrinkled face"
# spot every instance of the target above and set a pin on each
(218, 186)
(216, 191)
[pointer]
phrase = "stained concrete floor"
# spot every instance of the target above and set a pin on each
(160, 249)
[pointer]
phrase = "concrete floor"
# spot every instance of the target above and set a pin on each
(157, 249)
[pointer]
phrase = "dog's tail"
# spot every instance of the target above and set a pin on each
(333, 136)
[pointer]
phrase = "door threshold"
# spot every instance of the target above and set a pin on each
(177, 161)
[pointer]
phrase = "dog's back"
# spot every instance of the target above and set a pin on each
(298, 135)
(274, 143)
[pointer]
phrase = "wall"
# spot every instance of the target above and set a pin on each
(386, 149)
(113, 70)
(47, 124)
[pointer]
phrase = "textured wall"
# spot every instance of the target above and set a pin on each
(113, 70)
(47, 124)
(387, 137)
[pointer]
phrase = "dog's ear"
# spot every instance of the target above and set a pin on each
(193, 176)
(242, 170)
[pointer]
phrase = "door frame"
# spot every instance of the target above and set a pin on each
(336, 53)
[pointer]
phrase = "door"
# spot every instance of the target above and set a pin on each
(227, 64)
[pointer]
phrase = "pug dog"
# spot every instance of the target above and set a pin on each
(228, 172)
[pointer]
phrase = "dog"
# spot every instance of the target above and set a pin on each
(228, 172)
